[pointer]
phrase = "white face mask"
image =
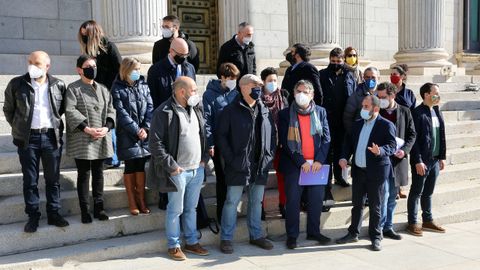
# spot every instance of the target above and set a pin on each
(384, 103)
(35, 72)
(271, 87)
(193, 100)
(231, 84)
(167, 33)
(247, 40)
(302, 99)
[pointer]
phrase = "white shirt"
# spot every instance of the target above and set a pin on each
(435, 121)
(42, 111)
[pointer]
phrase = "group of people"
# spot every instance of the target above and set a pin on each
(246, 124)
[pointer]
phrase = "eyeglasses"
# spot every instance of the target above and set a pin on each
(351, 55)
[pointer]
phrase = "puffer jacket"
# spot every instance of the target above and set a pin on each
(134, 111)
(19, 103)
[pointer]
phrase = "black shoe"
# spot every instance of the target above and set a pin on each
(281, 207)
(261, 242)
(226, 246)
(341, 182)
(376, 245)
(322, 239)
(57, 220)
(31, 225)
(100, 215)
(86, 218)
(291, 243)
(349, 238)
(392, 235)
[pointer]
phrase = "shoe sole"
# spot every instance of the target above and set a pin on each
(432, 230)
(177, 259)
(347, 242)
(196, 253)
(414, 234)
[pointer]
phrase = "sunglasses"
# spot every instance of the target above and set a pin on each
(351, 55)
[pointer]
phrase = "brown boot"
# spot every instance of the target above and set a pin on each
(129, 182)
(140, 192)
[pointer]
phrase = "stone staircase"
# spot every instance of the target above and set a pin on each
(457, 198)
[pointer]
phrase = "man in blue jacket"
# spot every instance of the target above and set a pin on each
(371, 142)
(427, 159)
(247, 139)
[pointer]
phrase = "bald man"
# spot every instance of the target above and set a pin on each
(179, 152)
(162, 74)
(34, 104)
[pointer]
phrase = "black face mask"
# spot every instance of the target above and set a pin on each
(90, 72)
(85, 39)
(335, 67)
(179, 59)
(256, 92)
(290, 58)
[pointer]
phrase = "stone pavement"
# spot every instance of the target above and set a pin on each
(458, 249)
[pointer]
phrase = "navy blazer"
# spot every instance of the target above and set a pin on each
(290, 162)
(379, 167)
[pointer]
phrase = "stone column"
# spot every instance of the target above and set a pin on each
(315, 23)
(134, 25)
(421, 36)
(231, 14)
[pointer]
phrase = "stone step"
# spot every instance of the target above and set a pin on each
(9, 162)
(124, 245)
(460, 105)
(463, 155)
(444, 87)
(12, 207)
(452, 116)
(462, 140)
(462, 127)
(12, 183)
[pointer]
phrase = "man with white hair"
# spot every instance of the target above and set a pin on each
(34, 104)
(247, 137)
(239, 51)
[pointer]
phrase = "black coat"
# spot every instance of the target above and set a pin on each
(379, 168)
(233, 134)
(422, 150)
(162, 47)
(134, 111)
(303, 71)
(108, 64)
(353, 106)
(163, 144)
(405, 129)
(336, 90)
(19, 103)
(161, 77)
(243, 59)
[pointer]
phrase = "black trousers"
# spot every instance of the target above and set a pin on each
(84, 167)
(374, 189)
(135, 165)
(220, 185)
(334, 152)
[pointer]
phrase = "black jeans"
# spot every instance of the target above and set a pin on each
(374, 189)
(41, 147)
(422, 190)
(135, 165)
(83, 169)
(221, 186)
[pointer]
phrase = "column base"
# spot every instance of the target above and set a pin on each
(140, 50)
(422, 60)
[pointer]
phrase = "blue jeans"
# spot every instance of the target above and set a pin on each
(184, 202)
(254, 211)
(388, 205)
(114, 159)
(422, 189)
(41, 147)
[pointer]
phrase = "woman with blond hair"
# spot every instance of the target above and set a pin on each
(132, 101)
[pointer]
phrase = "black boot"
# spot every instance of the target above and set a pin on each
(99, 212)
(85, 216)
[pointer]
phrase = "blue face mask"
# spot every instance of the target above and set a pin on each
(135, 75)
(370, 83)
(271, 87)
(365, 114)
(255, 94)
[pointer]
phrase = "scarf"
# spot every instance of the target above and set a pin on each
(357, 74)
(294, 141)
(274, 103)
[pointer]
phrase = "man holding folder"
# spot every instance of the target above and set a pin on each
(372, 142)
(304, 138)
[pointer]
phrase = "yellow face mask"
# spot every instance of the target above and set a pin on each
(351, 60)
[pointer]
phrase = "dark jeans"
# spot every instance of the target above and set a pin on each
(422, 189)
(362, 186)
(41, 147)
(221, 186)
(314, 196)
(83, 168)
(135, 165)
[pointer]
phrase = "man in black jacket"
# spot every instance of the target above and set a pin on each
(338, 83)
(427, 159)
(239, 51)
(170, 30)
(247, 137)
(162, 74)
(34, 104)
(401, 117)
(301, 69)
